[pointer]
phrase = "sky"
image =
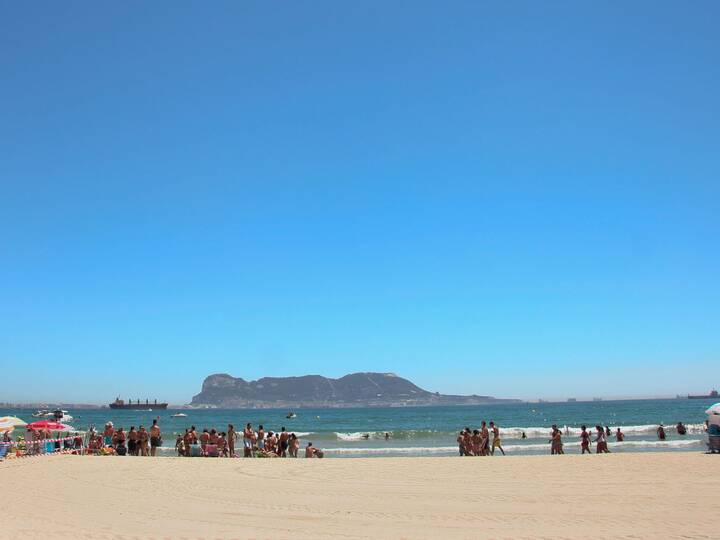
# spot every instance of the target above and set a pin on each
(518, 199)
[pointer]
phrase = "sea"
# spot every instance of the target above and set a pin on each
(432, 431)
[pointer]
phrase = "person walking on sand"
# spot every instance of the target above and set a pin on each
(155, 438)
(601, 446)
(584, 440)
(556, 445)
(231, 438)
(497, 442)
(484, 440)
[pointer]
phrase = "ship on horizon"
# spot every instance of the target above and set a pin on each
(120, 404)
(712, 394)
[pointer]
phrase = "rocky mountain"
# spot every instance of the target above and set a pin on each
(354, 390)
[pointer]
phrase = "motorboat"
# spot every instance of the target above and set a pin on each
(179, 415)
(291, 415)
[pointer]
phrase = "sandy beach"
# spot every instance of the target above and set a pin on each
(652, 495)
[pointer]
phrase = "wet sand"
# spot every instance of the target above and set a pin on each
(649, 495)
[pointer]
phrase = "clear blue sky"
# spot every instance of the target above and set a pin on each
(512, 198)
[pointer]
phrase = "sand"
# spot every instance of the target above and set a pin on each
(651, 495)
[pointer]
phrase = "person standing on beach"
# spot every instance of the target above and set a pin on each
(461, 443)
(283, 442)
(584, 440)
(248, 436)
(231, 438)
(475, 443)
(143, 441)
(155, 438)
(497, 443)
(132, 441)
(485, 440)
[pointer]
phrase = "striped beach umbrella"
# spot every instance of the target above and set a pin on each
(8, 423)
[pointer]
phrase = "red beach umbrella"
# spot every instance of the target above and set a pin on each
(51, 425)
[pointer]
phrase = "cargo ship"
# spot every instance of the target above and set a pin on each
(120, 404)
(711, 395)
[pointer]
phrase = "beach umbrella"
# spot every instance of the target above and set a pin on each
(715, 409)
(8, 423)
(50, 425)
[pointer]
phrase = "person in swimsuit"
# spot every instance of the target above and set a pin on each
(584, 440)
(180, 445)
(661, 432)
(231, 438)
(204, 438)
(293, 445)
(681, 429)
(607, 431)
(155, 438)
(475, 443)
(143, 438)
(119, 442)
(309, 450)
(497, 442)
(248, 436)
(461, 443)
(261, 437)
(601, 446)
(283, 442)
(556, 445)
(132, 441)
(222, 444)
(619, 435)
(108, 433)
(485, 439)
(187, 441)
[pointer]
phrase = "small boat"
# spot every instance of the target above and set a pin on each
(179, 415)
(58, 415)
(291, 415)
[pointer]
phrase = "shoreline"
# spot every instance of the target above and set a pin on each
(660, 494)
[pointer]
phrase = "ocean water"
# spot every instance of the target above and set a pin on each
(431, 431)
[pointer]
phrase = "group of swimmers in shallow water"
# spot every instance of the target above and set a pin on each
(477, 442)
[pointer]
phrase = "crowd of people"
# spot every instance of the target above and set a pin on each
(208, 442)
(134, 442)
(476, 442)
(484, 441)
